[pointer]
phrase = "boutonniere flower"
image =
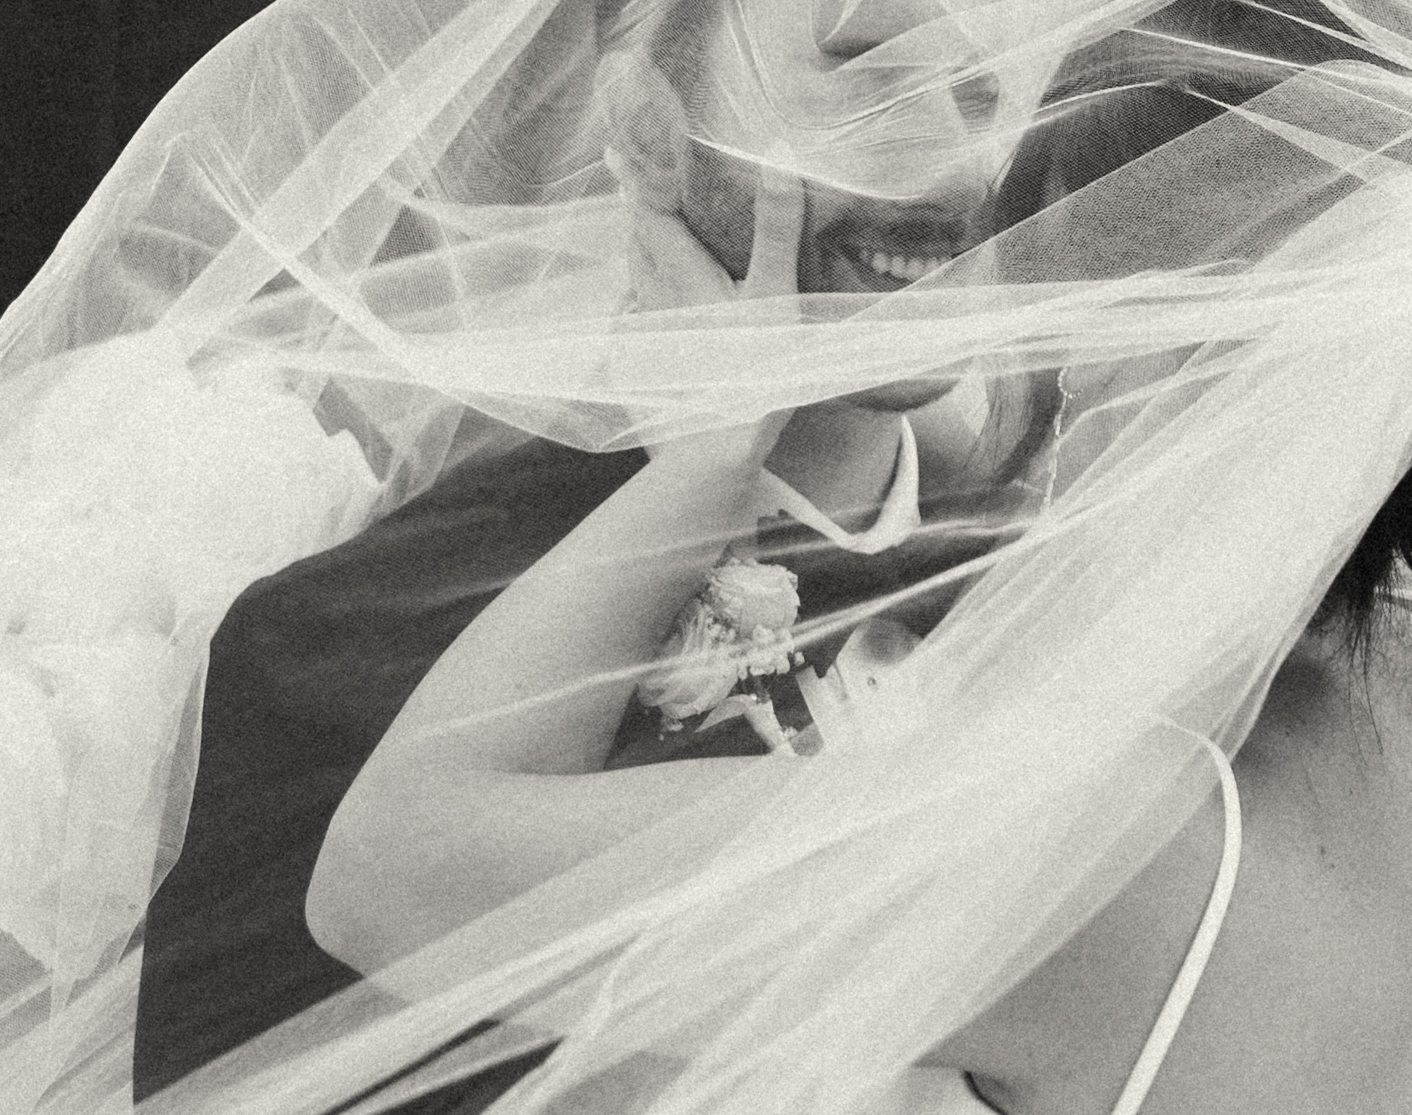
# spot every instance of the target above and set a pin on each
(729, 638)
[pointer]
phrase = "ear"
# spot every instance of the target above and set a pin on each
(644, 130)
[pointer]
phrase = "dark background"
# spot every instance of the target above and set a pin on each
(77, 77)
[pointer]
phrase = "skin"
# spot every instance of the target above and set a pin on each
(1305, 1005)
(1307, 999)
(719, 200)
(841, 228)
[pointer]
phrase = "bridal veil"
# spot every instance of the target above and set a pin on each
(364, 240)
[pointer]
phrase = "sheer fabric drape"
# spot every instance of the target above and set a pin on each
(364, 240)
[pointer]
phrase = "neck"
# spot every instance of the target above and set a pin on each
(839, 457)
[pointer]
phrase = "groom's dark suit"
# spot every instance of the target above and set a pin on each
(307, 671)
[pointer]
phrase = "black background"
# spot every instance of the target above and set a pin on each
(77, 78)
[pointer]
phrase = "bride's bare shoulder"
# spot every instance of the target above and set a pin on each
(1334, 701)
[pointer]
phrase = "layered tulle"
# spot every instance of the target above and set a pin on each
(363, 240)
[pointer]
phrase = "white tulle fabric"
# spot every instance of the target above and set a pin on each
(367, 238)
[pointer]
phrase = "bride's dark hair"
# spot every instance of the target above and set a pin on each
(1150, 94)
(1361, 585)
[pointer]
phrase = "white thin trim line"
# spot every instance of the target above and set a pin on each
(1164, 1030)
(898, 518)
(1400, 596)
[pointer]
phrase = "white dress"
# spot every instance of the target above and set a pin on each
(128, 478)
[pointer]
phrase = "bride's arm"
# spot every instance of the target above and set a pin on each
(472, 840)
(482, 786)
(599, 603)
(465, 801)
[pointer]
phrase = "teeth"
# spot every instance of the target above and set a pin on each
(907, 268)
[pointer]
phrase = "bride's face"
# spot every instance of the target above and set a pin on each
(1306, 1005)
(851, 242)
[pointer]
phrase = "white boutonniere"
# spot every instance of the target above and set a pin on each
(729, 638)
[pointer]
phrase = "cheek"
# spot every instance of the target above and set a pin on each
(1063, 1041)
(718, 206)
(1306, 1001)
